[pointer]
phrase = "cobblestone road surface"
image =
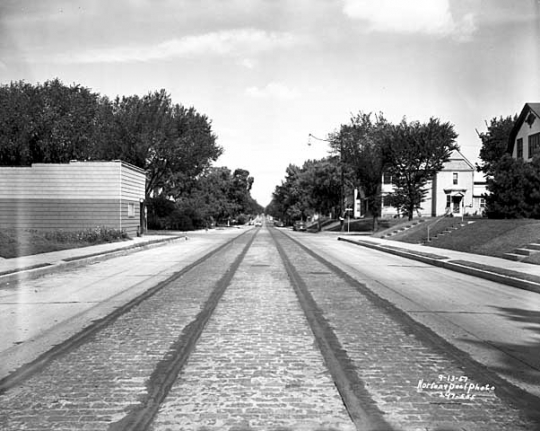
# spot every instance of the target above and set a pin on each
(402, 370)
(257, 365)
(100, 382)
(256, 338)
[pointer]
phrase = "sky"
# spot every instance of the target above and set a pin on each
(267, 73)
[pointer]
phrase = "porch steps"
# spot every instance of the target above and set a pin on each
(521, 253)
(402, 229)
(446, 231)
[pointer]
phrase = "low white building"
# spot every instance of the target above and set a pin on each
(73, 196)
(479, 197)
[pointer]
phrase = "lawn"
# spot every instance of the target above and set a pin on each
(480, 236)
(19, 242)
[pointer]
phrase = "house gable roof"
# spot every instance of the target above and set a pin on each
(528, 108)
(458, 162)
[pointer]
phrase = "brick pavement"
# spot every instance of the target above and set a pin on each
(100, 381)
(393, 360)
(257, 365)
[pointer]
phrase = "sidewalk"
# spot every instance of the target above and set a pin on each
(517, 274)
(46, 307)
(30, 267)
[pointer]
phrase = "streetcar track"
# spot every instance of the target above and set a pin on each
(358, 401)
(26, 371)
(361, 407)
(509, 393)
(167, 370)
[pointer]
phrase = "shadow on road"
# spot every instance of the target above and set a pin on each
(528, 353)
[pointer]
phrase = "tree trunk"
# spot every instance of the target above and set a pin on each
(375, 224)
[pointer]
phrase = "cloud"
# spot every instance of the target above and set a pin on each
(247, 63)
(273, 90)
(432, 17)
(222, 43)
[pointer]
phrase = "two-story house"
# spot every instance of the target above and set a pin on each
(450, 192)
(524, 139)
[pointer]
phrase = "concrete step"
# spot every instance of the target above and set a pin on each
(533, 246)
(524, 251)
(513, 256)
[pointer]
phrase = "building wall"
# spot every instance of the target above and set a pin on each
(71, 196)
(479, 200)
(445, 182)
(133, 181)
(524, 132)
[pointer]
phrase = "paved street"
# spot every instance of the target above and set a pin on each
(497, 325)
(37, 314)
(278, 330)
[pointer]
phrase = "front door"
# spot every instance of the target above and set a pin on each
(456, 204)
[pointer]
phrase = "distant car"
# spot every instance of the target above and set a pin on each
(258, 223)
(300, 226)
(278, 223)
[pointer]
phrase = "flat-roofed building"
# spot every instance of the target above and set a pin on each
(73, 196)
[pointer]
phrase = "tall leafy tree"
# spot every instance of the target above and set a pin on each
(415, 153)
(495, 143)
(320, 182)
(54, 123)
(47, 123)
(514, 189)
(363, 143)
(172, 143)
(292, 197)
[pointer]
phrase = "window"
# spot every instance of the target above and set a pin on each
(455, 178)
(387, 178)
(520, 148)
(534, 144)
(386, 201)
(448, 201)
(131, 210)
(482, 203)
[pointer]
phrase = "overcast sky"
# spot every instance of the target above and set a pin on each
(269, 72)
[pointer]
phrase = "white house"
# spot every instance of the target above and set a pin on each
(451, 191)
(524, 139)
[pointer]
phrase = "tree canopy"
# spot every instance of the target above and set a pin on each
(364, 149)
(54, 123)
(495, 143)
(513, 184)
(175, 145)
(415, 152)
(363, 141)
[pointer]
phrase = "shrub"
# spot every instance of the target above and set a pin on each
(92, 235)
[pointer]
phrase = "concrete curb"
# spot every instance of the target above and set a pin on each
(487, 272)
(39, 270)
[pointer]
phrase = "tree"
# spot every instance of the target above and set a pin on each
(220, 195)
(495, 143)
(321, 183)
(172, 143)
(54, 123)
(48, 123)
(363, 142)
(514, 189)
(291, 196)
(415, 153)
